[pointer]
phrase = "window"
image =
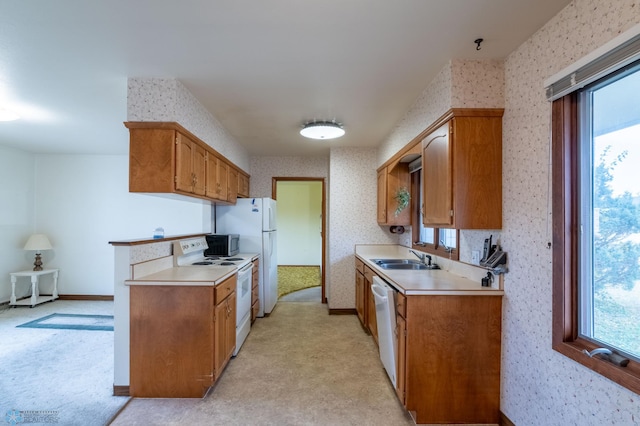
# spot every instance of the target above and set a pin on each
(609, 245)
(596, 214)
(440, 241)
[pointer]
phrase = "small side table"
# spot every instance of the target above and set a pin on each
(35, 298)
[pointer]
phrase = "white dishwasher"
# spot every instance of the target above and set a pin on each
(386, 319)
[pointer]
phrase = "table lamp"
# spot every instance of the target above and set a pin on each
(38, 242)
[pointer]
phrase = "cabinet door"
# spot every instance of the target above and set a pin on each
(232, 185)
(231, 325)
(401, 330)
(360, 296)
(220, 322)
(222, 189)
(370, 304)
(372, 322)
(382, 196)
(198, 162)
(216, 178)
(190, 165)
(184, 171)
(243, 185)
(437, 178)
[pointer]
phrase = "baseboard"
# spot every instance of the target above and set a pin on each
(120, 390)
(504, 420)
(84, 297)
(343, 312)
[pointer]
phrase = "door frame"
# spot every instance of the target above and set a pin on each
(323, 232)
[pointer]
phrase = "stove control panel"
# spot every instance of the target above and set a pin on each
(189, 246)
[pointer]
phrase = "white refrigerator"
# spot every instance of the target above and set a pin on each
(254, 219)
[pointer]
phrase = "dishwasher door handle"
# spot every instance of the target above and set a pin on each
(378, 291)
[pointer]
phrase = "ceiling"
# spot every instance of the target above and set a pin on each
(262, 68)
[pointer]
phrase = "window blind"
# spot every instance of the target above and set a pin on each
(619, 52)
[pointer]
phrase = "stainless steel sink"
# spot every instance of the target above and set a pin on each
(405, 264)
(395, 261)
(414, 266)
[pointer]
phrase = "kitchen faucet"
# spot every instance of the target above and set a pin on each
(422, 257)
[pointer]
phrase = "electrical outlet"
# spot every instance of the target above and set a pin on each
(475, 257)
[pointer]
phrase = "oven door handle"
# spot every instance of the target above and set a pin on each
(246, 269)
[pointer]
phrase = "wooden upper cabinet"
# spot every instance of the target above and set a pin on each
(232, 184)
(382, 196)
(436, 178)
(164, 157)
(217, 177)
(190, 165)
(462, 171)
(391, 179)
(243, 184)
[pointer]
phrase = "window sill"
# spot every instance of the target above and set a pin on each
(628, 376)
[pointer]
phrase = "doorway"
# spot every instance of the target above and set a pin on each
(301, 223)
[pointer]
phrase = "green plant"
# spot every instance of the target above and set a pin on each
(402, 197)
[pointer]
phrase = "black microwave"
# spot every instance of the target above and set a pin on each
(222, 244)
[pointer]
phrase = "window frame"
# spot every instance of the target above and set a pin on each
(566, 222)
(416, 219)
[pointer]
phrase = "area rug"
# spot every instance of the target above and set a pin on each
(294, 278)
(72, 322)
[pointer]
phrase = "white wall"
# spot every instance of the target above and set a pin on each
(17, 216)
(299, 223)
(83, 202)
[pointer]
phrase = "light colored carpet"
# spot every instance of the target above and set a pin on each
(65, 374)
(294, 278)
(299, 366)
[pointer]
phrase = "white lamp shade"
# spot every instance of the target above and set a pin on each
(322, 130)
(38, 242)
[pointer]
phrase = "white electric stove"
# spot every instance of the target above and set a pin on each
(190, 253)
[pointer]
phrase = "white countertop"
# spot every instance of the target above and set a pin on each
(190, 275)
(187, 275)
(455, 278)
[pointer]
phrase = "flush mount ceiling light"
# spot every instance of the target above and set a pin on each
(6, 115)
(322, 130)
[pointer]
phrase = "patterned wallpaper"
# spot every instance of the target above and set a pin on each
(477, 84)
(163, 99)
(434, 101)
(460, 84)
(352, 219)
(537, 382)
(263, 169)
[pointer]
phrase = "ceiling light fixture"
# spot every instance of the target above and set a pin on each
(6, 115)
(322, 130)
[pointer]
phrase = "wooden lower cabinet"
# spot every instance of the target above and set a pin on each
(370, 304)
(181, 338)
(255, 294)
(360, 292)
(449, 358)
(225, 333)
(401, 333)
